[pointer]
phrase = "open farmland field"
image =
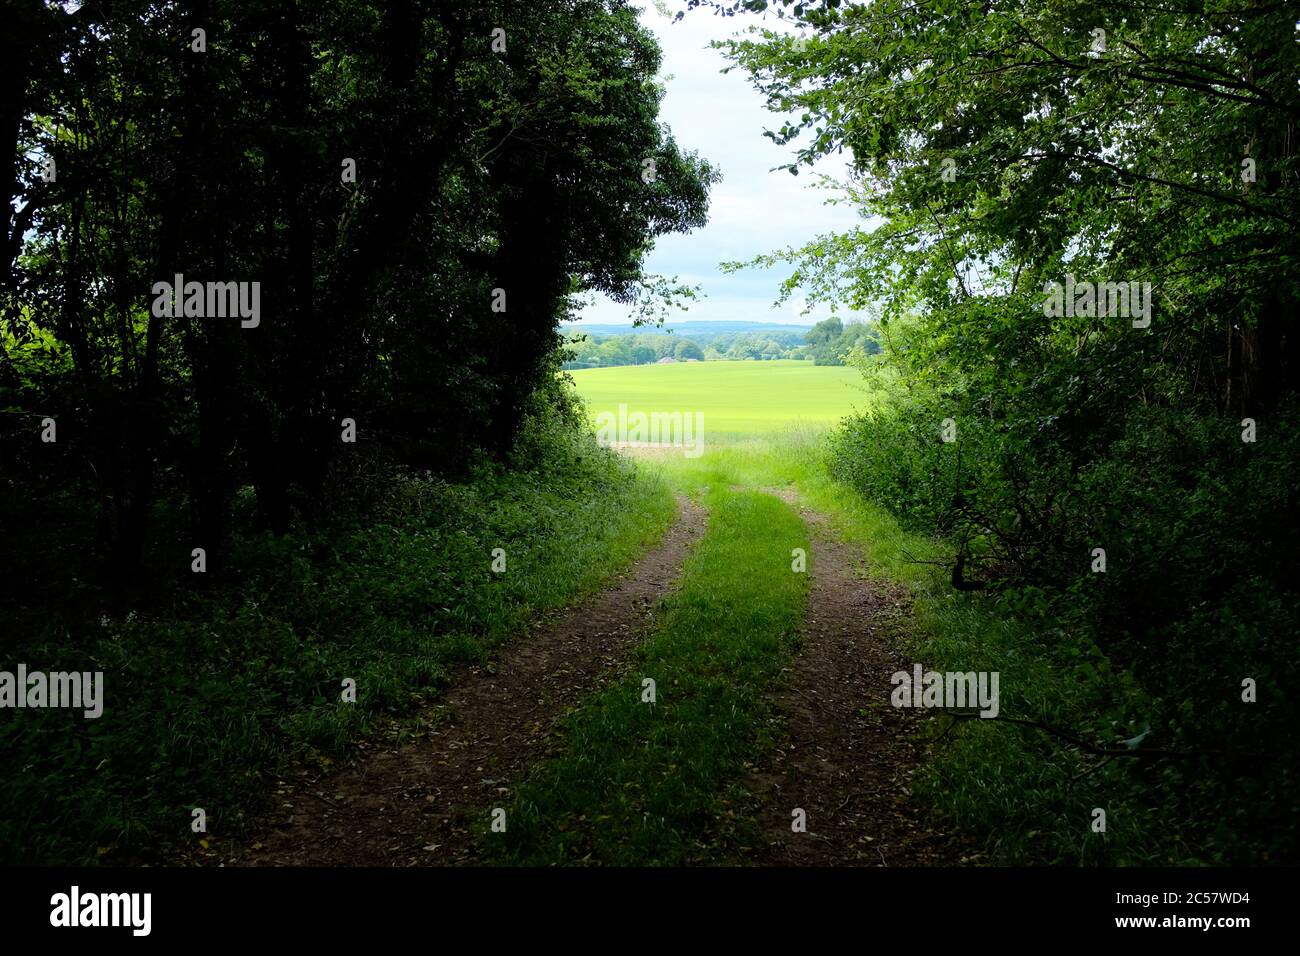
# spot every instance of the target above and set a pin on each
(738, 399)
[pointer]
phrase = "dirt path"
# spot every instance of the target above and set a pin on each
(410, 805)
(845, 756)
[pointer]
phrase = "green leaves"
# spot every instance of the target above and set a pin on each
(1108, 161)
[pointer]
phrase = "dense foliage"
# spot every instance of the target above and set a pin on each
(1002, 151)
(831, 342)
(418, 188)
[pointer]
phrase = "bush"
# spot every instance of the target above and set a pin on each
(1202, 548)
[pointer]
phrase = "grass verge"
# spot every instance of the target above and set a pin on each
(211, 695)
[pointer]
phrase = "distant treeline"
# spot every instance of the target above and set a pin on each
(829, 342)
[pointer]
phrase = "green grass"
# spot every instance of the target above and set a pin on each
(738, 399)
(1027, 797)
(1024, 794)
(640, 783)
(207, 699)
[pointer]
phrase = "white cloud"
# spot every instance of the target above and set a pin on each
(755, 209)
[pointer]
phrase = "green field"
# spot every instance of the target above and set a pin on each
(738, 399)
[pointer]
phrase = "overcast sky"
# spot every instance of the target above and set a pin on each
(753, 210)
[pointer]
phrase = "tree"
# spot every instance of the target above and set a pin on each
(615, 351)
(1004, 149)
(686, 349)
(420, 297)
(825, 331)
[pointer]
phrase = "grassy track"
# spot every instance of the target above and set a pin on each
(1029, 798)
(738, 399)
(642, 783)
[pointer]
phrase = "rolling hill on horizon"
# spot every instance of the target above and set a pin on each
(697, 329)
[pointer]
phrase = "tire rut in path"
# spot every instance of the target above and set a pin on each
(420, 804)
(843, 754)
